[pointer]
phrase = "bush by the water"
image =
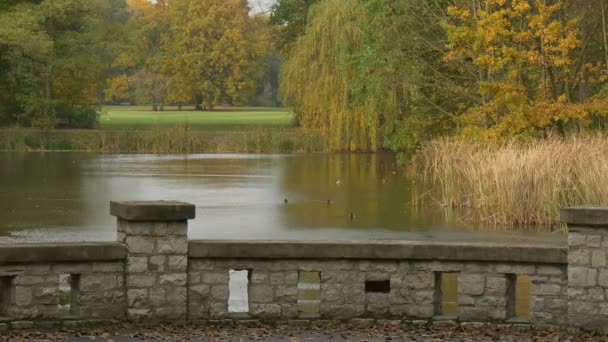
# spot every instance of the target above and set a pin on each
(515, 183)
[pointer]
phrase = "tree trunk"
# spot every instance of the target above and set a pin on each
(179, 107)
(155, 107)
(198, 102)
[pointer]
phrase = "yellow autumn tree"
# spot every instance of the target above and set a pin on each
(523, 56)
(316, 77)
(214, 50)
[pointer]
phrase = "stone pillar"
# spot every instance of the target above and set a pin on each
(156, 236)
(587, 266)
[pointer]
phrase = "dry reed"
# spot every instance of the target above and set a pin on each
(515, 183)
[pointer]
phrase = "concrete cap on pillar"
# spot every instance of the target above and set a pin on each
(589, 216)
(152, 210)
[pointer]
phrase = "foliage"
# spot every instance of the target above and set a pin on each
(216, 49)
(46, 72)
(291, 16)
(525, 58)
(316, 78)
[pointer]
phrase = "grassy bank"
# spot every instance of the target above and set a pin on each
(514, 184)
(221, 119)
(179, 139)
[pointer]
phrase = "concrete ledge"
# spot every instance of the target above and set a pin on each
(413, 250)
(585, 216)
(152, 210)
(53, 252)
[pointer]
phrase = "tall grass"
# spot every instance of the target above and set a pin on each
(178, 139)
(515, 183)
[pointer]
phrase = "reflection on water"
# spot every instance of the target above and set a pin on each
(65, 196)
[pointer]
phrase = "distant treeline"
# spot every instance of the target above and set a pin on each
(61, 59)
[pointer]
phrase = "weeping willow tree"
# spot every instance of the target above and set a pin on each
(318, 72)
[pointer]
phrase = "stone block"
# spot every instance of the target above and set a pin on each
(157, 263)
(72, 268)
(139, 244)
(200, 289)
(176, 296)
(579, 256)
(176, 279)
(171, 313)
(220, 292)
(178, 245)
(594, 240)
(277, 278)
(139, 314)
(550, 270)
(355, 294)
(23, 296)
(30, 280)
(287, 294)
(108, 267)
(259, 277)
(265, 310)
(291, 277)
(595, 294)
(421, 311)
(496, 286)
(547, 289)
(137, 298)
(472, 284)
(157, 297)
(587, 308)
(177, 228)
(141, 280)
(261, 293)
(478, 267)
(469, 313)
(582, 276)
(178, 263)
(378, 266)
(332, 293)
(137, 264)
(577, 239)
(419, 280)
(289, 311)
(201, 264)
(98, 282)
(598, 258)
(215, 277)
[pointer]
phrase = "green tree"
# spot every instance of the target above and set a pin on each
(54, 57)
(216, 50)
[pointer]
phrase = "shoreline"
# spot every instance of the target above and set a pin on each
(175, 140)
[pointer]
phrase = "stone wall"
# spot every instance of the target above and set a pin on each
(412, 293)
(69, 282)
(587, 266)
(153, 273)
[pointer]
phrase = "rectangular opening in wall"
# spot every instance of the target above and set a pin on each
(377, 286)
(446, 294)
(65, 294)
(518, 296)
(7, 294)
(309, 293)
(75, 294)
(238, 288)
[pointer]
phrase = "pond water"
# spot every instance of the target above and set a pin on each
(65, 197)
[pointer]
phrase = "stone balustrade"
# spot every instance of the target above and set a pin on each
(154, 274)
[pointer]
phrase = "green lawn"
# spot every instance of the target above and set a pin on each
(140, 117)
